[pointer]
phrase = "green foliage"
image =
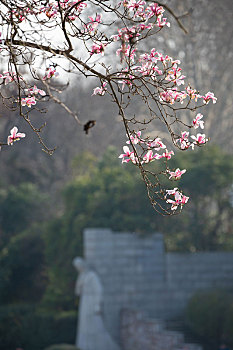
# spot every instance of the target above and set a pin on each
(209, 316)
(20, 206)
(22, 272)
(22, 326)
(206, 223)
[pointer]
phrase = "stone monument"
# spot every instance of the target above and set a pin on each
(91, 332)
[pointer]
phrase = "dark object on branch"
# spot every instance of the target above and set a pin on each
(89, 125)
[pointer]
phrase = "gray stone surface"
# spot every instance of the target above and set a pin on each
(139, 333)
(137, 273)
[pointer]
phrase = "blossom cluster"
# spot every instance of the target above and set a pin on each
(8, 77)
(178, 199)
(149, 145)
(142, 11)
(50, 73)
(51, 9)
(30, 100)
(149, 153)
(184, 141)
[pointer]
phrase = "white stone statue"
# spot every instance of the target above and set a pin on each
(91, 334)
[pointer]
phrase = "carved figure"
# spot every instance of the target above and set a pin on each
(91, 333)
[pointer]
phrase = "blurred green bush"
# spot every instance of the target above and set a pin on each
(209, 316)
(24, 326)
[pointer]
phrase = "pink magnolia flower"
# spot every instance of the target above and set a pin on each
(172, 95)
(198, 122)
(161, 22)
(14, 136)
(156, 144)
(136, 5)
(154, 10)
(172, 191)
(28, 101)
(135, 139)
(100, 90)
(149, 157)
(183, 140)
(50, 72)
(97, 48)
(93, 24)
(199, 139)
(176, 174)
(167, 154)
(148, 69)
(128, 156)
(184, 199)
(179, 198)
(209, 96)
(157, 56)
(8, 77)
(175, 75)
(34, 91)
(192, 93)
(167, 96)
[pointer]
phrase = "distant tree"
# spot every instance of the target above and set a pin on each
(20, 206)
(22, 269)
(207, 223)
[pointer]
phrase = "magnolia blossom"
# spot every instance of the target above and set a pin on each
(192, 93)
(135, 139)
(175, 76)
(178, 199)
(93, 24)
(172, 95)
(198, 122)
(155, 10)
(100, 90)
(161, 22)
(14, 136)
(183, 140)
(34, 91)
(8, 77)
(149, 157)
(136, 5)
(50, 72)
(199, 139)
(176, 174)
(148, 69)
(156, 144)
(97, 48)
(166, 155)
(128, 156)
(28, 101)
(209, 96)
(52, 9)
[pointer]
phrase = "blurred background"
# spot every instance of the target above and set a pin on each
(46, 202)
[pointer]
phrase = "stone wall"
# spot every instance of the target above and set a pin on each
(137, 273)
